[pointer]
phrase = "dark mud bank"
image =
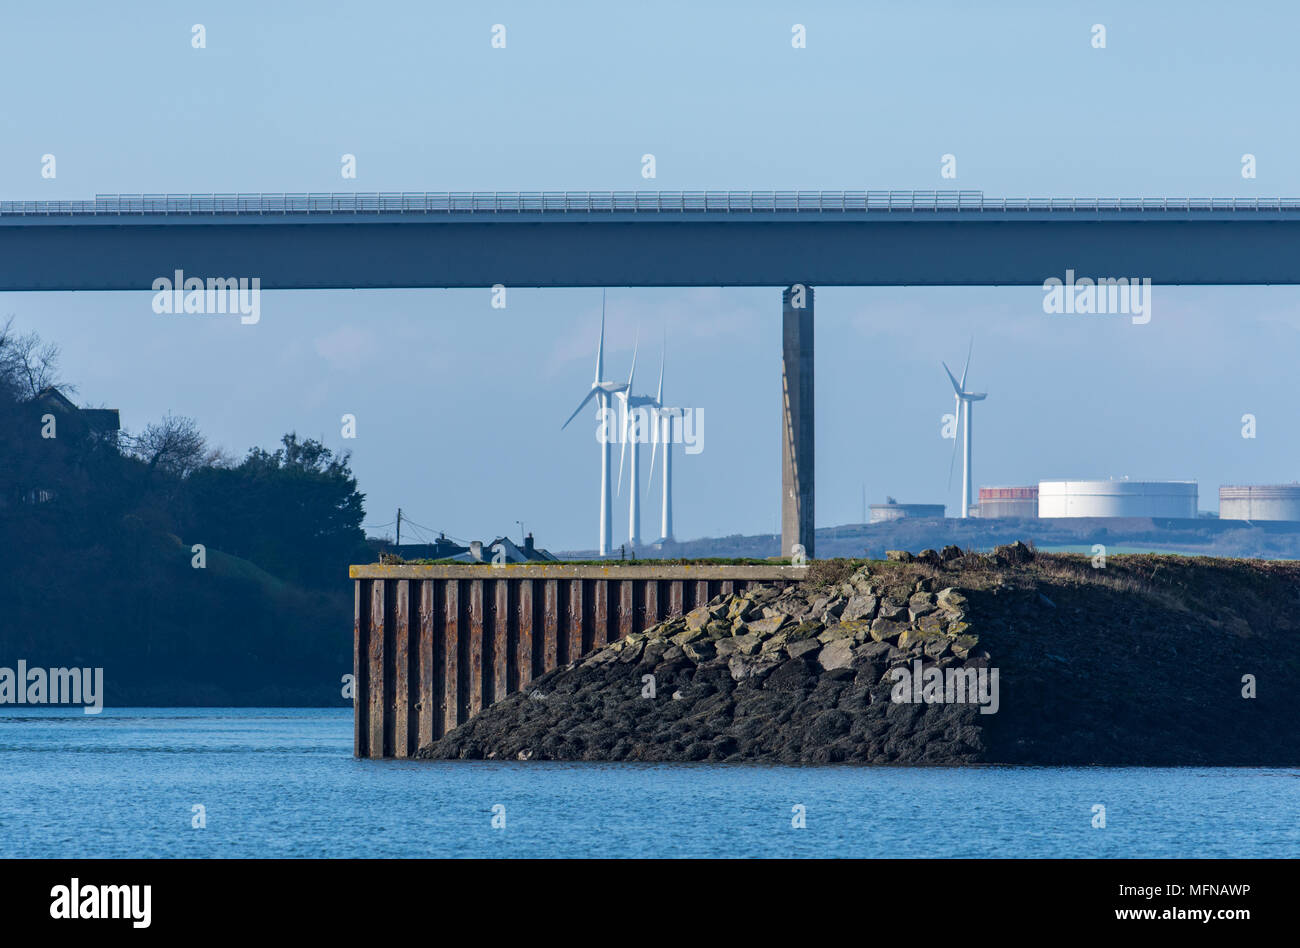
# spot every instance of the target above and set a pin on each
(1005, 658)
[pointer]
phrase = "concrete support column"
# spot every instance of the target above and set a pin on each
(797, 450)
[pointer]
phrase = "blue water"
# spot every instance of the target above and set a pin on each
(280, 782)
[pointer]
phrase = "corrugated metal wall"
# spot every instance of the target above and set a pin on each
(433, 646)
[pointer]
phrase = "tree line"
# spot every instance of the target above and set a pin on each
(96, 533)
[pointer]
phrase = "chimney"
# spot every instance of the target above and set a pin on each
(476, 550)
(528, 546)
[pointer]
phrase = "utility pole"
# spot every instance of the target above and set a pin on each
(399, 527)
(521, 530)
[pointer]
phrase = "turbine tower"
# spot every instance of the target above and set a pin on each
(664, 428)
(964, 400)
(632, 403)
(601, 390)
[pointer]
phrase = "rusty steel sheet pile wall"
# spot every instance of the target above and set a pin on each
(434, 645)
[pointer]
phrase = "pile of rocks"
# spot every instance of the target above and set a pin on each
(956, 558)
(800, 674)
(762, 628)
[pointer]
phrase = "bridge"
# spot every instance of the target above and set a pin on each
(783, 239)
(640, 238)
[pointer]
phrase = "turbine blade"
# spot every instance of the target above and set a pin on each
(952, 378)
(654, 446)
(582, 404)
(622, 441)
(956, 436)
(967, 369)
(952, 462)
(635, 346)
(659, 396)
(600, 348)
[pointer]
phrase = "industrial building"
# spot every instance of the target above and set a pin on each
(1122, 498)
(998, 502)
(893, 510)
(1260, 502)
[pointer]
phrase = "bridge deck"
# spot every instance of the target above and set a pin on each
(640, 205)
(642, 238)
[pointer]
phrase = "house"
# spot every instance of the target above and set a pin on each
(509, 552)
(440, 549)
(476, 552)
(77, 422)
(57, 418)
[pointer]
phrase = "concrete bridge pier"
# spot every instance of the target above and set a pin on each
(797, 449)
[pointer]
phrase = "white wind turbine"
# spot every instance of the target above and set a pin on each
(632, 430)
(664, 428)
(601, 390)
(964, 400)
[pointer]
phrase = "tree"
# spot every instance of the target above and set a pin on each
(27, 365)
(294, 511)
(172, 446)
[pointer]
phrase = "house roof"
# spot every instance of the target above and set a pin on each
(100, 420)
(515, 553)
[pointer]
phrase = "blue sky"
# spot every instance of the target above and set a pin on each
(459, 405)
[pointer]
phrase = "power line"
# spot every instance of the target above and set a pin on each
(420, 534)
(407, 519)
(422, 530)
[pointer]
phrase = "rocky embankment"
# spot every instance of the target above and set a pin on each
(945, 658)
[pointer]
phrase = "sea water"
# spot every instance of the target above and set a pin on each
(238, 782)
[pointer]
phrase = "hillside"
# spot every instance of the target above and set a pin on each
(167, 634)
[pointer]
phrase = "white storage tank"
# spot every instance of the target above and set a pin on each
(1174, 499)
(1260, 502)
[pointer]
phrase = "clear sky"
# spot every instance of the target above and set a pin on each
(458, 405)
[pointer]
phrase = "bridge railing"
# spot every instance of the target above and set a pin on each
(620, 202)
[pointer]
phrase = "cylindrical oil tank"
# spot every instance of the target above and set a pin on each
(881, 513)
(1260, 502)
(1175, 499)
(998, 502)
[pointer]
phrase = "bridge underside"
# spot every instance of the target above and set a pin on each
(343, 254)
